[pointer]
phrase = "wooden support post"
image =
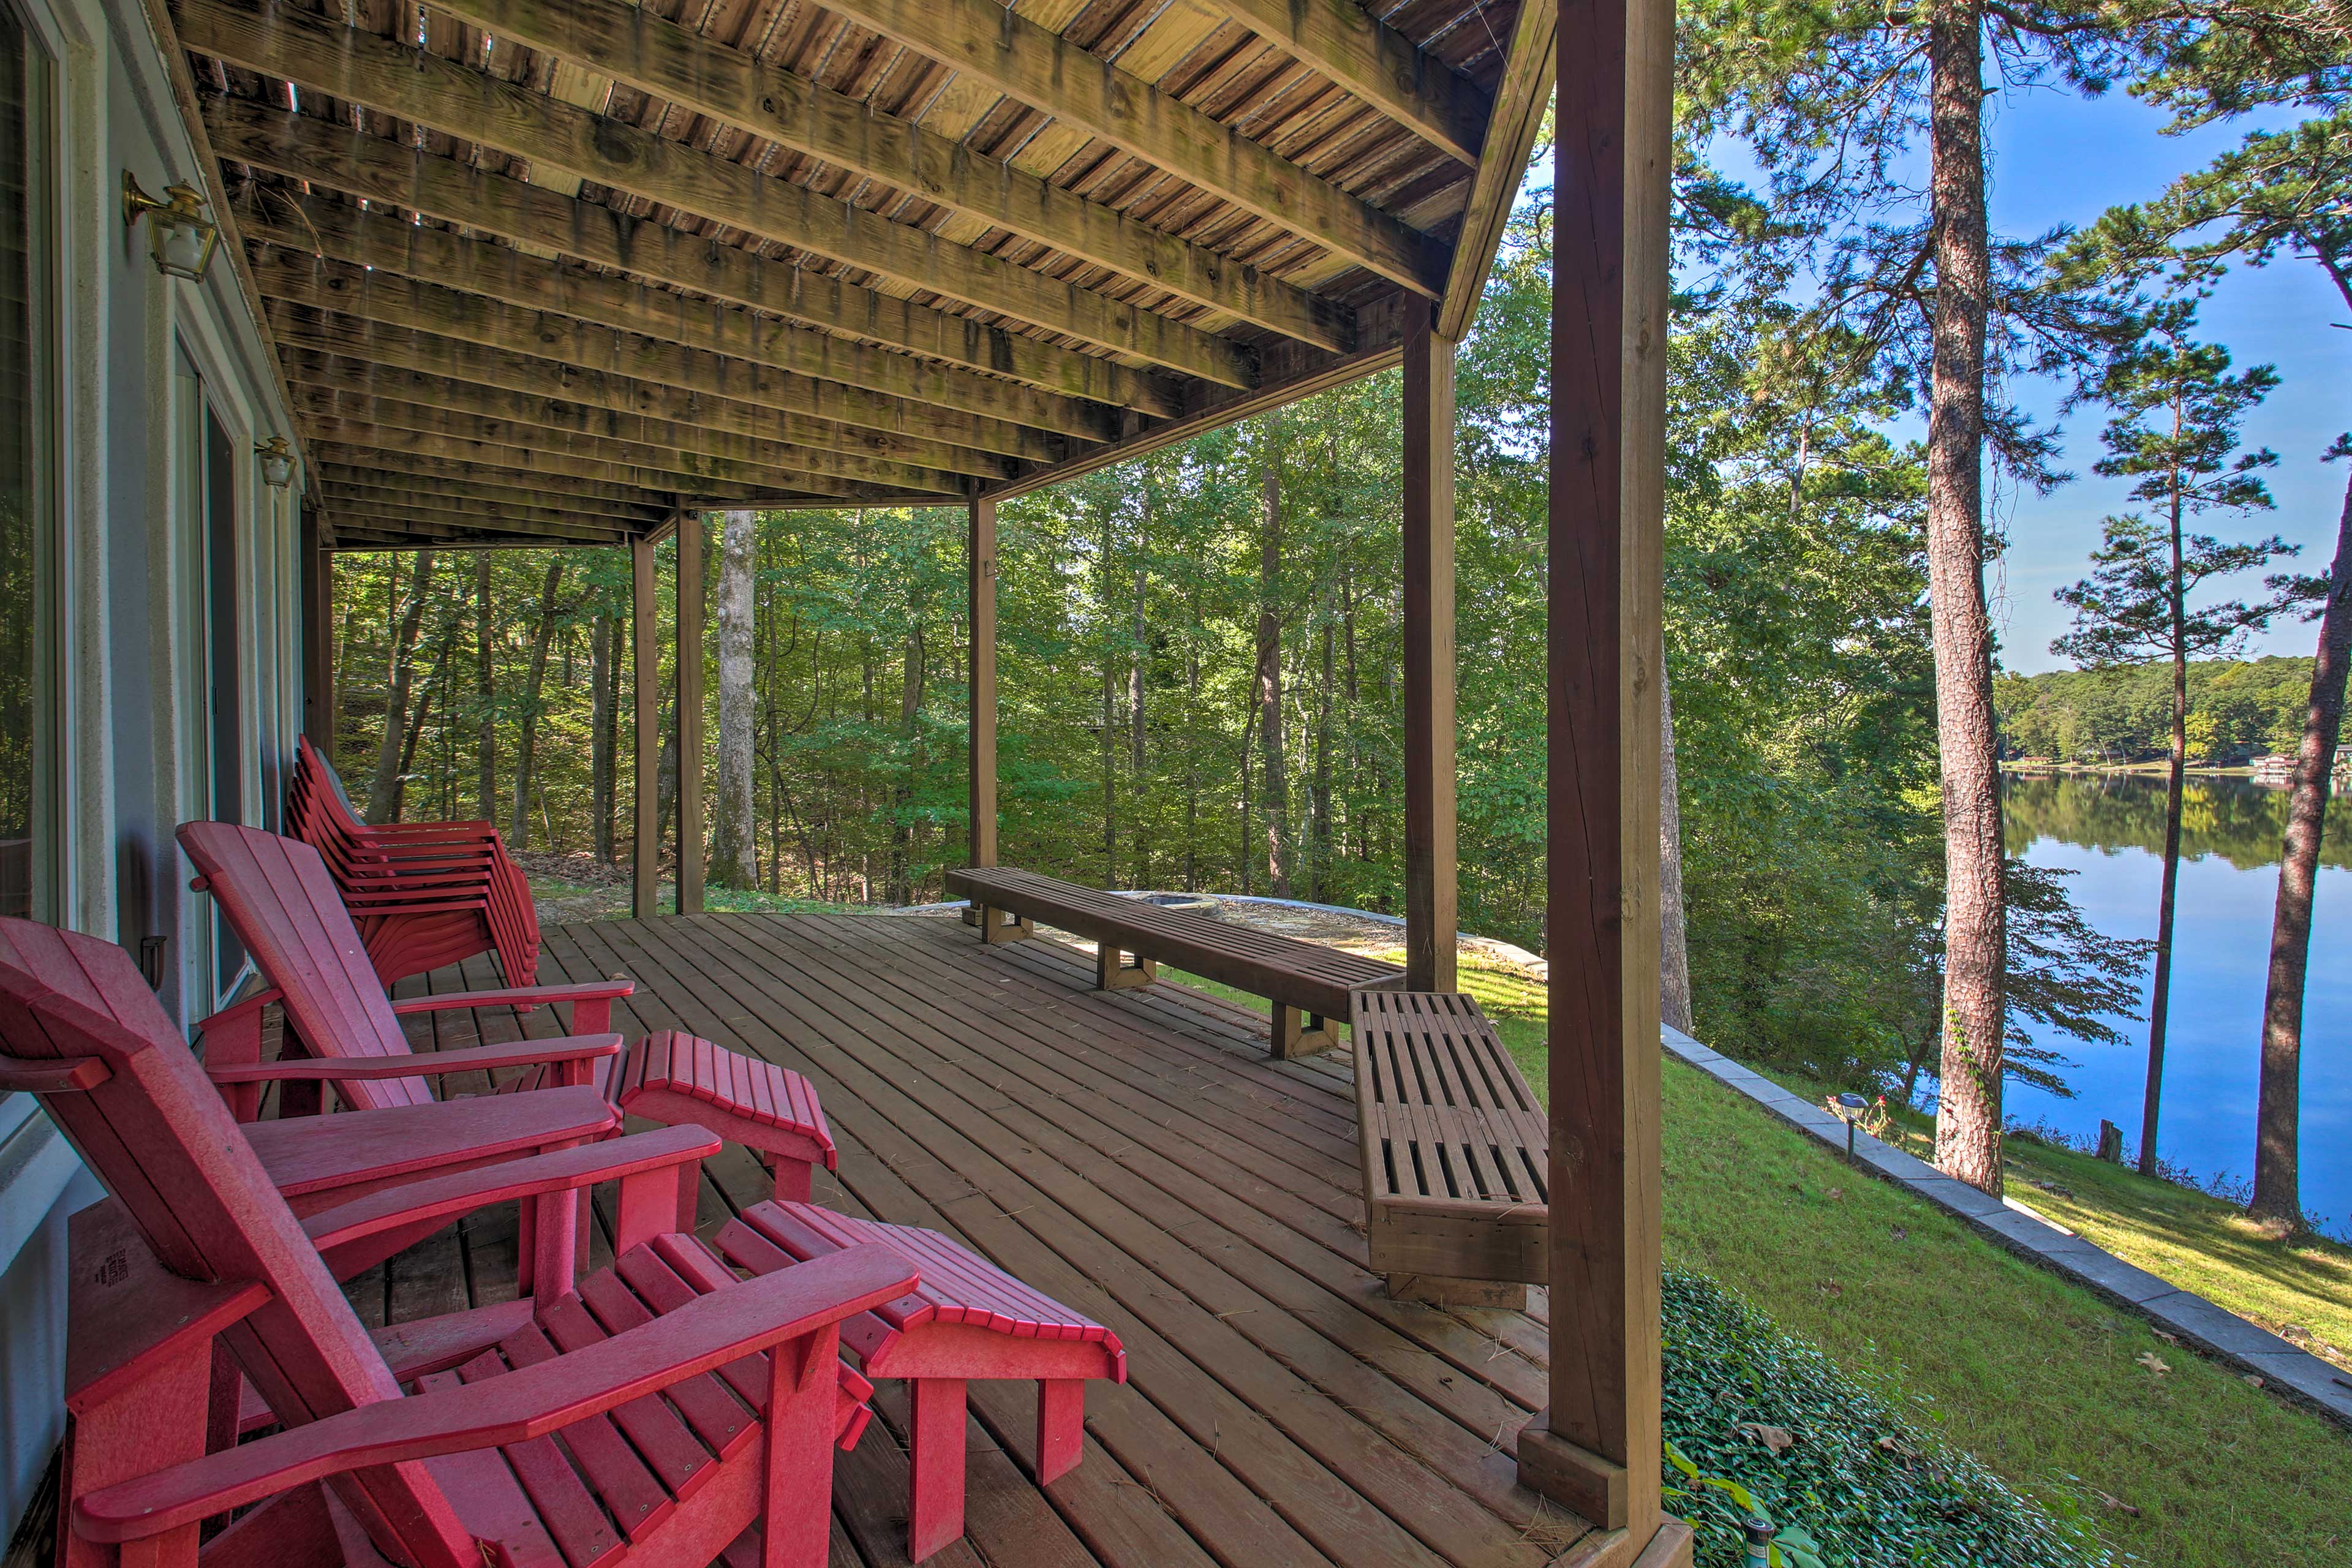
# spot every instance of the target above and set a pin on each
(318, 638)
(689, 714)
(980, 565)
(645, 647)
(1430, 886)
(1595, 1446)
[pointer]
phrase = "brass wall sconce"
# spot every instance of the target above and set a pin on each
(178, 233)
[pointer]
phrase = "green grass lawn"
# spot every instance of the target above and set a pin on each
(2056, 1391)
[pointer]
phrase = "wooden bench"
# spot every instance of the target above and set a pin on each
(1454, 1152)
(1132, 939)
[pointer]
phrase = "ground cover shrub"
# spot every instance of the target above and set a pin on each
(1766, 1420)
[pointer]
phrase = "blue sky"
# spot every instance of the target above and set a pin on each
(2060, 159)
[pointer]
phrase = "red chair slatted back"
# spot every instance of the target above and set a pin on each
(278, 899)
(165, 1145)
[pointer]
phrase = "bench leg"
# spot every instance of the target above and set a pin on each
(1292, 1039)
(1061, 1427)
(1114, 972)
(935, 1444)
(999, 926)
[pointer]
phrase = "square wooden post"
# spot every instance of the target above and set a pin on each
(1431, 878)
(317, 636)
(689, 714)
(1596, 1447)
(645, 650)
(980, 569)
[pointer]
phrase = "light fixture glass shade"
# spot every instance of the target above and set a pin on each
(276, 463)
(178, 233)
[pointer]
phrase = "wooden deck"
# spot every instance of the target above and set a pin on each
(1136, 1154)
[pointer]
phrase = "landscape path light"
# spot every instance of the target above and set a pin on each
(1850, 1109)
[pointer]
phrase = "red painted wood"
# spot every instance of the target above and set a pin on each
(605, 1376)
(935, 1454)
(317, 1161)
(425, 1064)
(1060, 1426)
(422, 1475)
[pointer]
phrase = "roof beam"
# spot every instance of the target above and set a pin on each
(448, 96)
(1374, 62)
(545, 424)
(996, 46)
(368, 475)
(541, 489)
(717, 423)
(406, 432)
(391, 531)
(457, 512)
(661, 58)
(378, 170)
(348, 232)
(1519, 104)
(574, 354)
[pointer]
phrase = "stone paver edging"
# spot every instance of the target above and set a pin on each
(2295, 1373)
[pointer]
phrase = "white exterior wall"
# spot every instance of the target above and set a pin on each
(130, 608)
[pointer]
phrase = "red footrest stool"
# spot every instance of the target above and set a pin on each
(965, 1319)
(677, 1079)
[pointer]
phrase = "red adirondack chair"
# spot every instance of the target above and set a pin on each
(975, 1320)
(276, 895)
(423, 894)
(734, 1459)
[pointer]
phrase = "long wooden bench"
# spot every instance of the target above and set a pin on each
(1132, 939)
(1454, 1152)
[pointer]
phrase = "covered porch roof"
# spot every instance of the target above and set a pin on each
(550, 271)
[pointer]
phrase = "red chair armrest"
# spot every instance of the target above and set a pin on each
(701, 1336)
(451, 1196)
(425, 1064)
(518, 996)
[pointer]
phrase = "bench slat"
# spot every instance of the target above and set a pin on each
(1455, 1148)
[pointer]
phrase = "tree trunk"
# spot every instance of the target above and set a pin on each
(2278, 1194)
(383, 792)
(602, 736)
(1135, 760)
(416, 724)
(1968, 1113)
(1674, 951)
(2160, 994)
(734, 856)
(1269, 665)
(1319, 798)
(486, 721)
(527, 724)
(901, 890)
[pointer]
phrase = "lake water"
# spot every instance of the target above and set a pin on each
(2110, 833)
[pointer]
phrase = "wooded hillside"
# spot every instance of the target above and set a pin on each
(2238, 708)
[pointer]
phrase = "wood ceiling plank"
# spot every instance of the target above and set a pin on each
(460, 510)
(1374, 62)
(379, 170)
(369, 474)
(1519, 104)
(544, 490)
(345, 233)
(668, 61)
(423, 88)
(539, 351)
(1025, 62)
(544, 424)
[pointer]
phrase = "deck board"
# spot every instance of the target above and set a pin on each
(1135, 1154)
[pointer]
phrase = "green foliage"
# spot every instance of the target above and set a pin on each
(1861, 1484)
(2248, 707)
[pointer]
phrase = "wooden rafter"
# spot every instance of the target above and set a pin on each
(342, 476)
(463, 101)
(718, 426)
(550, 489)
(1376, 63)
(378, 170)
(321, 385)
(639, 49)
(390, 528)
(1005, 51)
(399, 310)
(443, 511)
(346, 233)
(399, 433)
(1518, 112)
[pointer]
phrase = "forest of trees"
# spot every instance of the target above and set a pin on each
(2238, 708)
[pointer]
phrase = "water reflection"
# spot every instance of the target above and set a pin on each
(2110, 832)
